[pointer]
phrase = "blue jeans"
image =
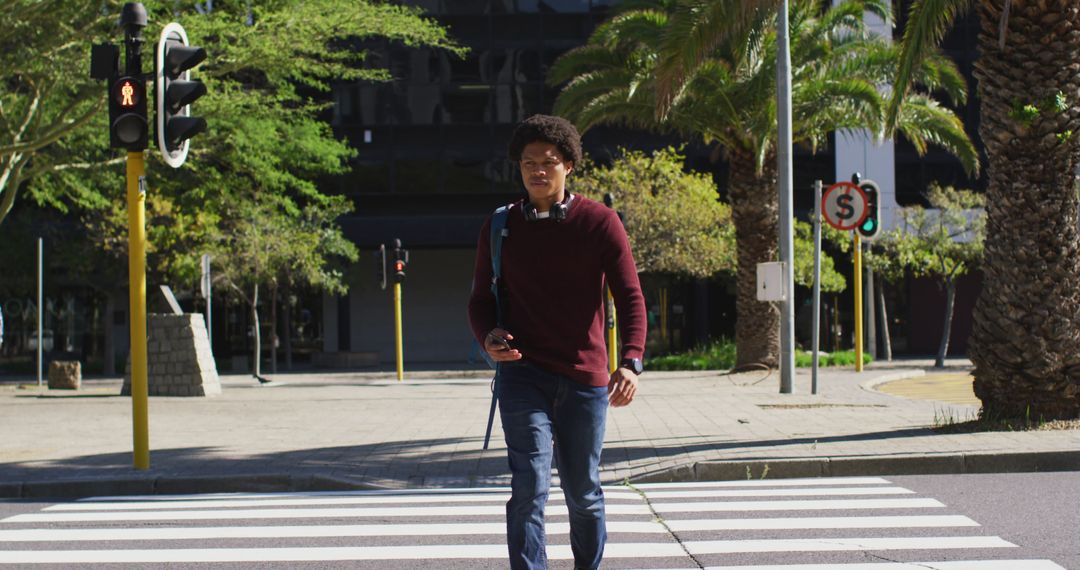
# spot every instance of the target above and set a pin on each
(539, 408)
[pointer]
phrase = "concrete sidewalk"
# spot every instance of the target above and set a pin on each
(355, 430)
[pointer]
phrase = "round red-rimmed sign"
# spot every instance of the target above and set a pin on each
(844, 206)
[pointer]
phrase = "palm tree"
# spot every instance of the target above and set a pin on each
(659, 65)
(1026, 337)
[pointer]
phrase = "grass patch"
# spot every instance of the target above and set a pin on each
(720, 355)
(945, 421)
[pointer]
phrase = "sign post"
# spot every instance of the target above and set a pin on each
(846, 206)
(814, 335)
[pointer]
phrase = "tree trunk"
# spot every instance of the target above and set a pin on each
(871, 314)
(273, 329)
(110, 344)
(946, 329)
(258, 337)
(886, 340)
(1026, 330)
(755, 212)
(288, 331)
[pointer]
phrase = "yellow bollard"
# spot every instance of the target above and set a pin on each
(612, 335)
(858, 304)
(136, 198)
(397, 329)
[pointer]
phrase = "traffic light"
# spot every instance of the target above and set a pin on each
(401, 259)
(127, 112)
(871, 225)
(175, 92)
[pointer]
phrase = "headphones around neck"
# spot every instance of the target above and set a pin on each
(558, 211)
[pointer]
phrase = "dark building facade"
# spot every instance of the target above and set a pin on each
(432, 166)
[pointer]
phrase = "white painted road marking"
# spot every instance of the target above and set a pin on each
(476, 551)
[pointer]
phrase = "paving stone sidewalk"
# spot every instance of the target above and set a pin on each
(365, 430)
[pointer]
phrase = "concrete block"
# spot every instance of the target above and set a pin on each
(65, 375)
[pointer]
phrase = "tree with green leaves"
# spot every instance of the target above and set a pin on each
(1026, 337)
(53, 117)
(707, 68)
(943, 242)
(265, 244)
(674, 221)
(268, 73)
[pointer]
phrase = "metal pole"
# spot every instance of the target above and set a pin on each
(397, 330)
(783, 144)
(208, 285)
(815, 334)
(858, 303)
(40, 304)
(136, 198)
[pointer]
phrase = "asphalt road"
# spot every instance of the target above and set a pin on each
(995, 522)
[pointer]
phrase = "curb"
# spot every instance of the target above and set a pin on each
(872, 384)
(943, 464)
(165, 485)
(926, 464)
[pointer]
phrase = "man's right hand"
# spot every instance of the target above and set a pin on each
(497, 345)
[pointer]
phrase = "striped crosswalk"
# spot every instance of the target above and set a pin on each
(853, 523)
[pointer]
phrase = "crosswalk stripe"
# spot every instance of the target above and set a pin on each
(949, 565)
(814, 481)
(843, 491)
(287, 502)
(304, 531)
(841, 544)
(820, 523)
(463, 510)
(412, 552)
(797, 505)
(455, 551)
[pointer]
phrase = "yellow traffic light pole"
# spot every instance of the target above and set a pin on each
(612, 334)
(857, 255)
(136, 200)
(397, 330)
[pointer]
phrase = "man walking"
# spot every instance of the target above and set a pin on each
(558, 252)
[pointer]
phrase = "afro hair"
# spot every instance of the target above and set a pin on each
(546, 128)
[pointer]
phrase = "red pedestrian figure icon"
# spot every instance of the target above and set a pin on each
(128, 91)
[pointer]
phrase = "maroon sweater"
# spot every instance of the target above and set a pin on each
(553, 275)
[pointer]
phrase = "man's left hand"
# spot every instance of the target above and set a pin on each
(622, 388)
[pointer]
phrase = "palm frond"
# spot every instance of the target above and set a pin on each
(924, 121)
(585, 59)
(927, 22)
(696, 28)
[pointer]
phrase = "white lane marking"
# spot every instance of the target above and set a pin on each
(845, 491)
(464, 510)
(769, 483)
(304, 531)
(797, 505)
(297, 502)
(412, 552)
(950, 565)
(843, 544)
(821, 523)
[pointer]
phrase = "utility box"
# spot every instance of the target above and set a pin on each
(770, 281)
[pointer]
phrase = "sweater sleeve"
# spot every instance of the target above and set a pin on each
(621, 275)
(481, 301)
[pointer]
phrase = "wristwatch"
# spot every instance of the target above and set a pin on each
(632, 364)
